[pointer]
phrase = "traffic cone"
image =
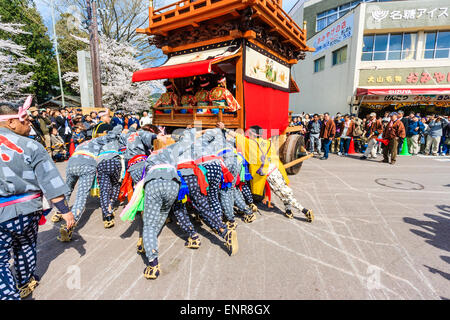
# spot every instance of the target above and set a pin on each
(351, 148)
(405, 151)
(71, 147)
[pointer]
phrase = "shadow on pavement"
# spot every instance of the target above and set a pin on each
(436, 233)
(51, 248)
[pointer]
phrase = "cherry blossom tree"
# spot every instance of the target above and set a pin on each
(12, 55)
(117, 63)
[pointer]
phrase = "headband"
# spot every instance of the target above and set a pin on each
(104, 113)
(22, 114)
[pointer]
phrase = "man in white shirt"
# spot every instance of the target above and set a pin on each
(145, 119)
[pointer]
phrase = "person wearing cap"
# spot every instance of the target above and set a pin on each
(187, 100)
(118, 119)
(221, 96)
(167, 99)
(394, 132)
(413, 131)
(102, 128)
(28, 175)
(373, 129)
(266, 169)
(82, 168)
(133, 120)
(202, 96)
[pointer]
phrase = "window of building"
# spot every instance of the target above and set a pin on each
(340, 56)
(395, 46)
(437, 45)
(319, 64)
(324, 19)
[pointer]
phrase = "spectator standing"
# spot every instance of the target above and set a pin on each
(89, 125)
(358, 131)
(415, 127)
(435, 132)
(145, 119)
(44, 125)
(133, 120)
(117, 119)
(327, 133)
(63, 125)
(446, 142)
(386, 117)
(346, 130)
(306, 120)
(373, 129)
(405, 122)
(314, 134)
(94, 117)
(394, 132)
(423, 135)
(336, 142)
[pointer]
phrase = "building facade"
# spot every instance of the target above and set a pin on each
(378, 55)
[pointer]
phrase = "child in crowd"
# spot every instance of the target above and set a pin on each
(58, 150)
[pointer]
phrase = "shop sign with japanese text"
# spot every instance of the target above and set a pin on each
(334, 34)
(410, 14)
(434, 76)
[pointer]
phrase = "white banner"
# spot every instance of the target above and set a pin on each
(334, 34)
(261, 68)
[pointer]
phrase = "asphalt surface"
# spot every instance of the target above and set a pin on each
(380, 232)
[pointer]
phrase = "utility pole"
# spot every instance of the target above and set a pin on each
(95, 63)
(57, 54)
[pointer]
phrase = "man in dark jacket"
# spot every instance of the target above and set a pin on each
(394, 132)
(415, 127)
(63, 126)
(405, 122)
(118, 119)
(327, 133)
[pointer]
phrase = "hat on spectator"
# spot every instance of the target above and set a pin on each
(393, 114)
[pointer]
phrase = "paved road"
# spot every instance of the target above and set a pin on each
(381, 232)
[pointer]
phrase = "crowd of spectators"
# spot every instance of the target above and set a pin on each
(57, 129)
(428, 135)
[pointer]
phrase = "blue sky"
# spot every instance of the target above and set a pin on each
(45, 9)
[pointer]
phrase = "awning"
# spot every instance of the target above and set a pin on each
(186, 65)
(401, 91)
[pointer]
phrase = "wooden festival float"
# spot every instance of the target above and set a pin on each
(253, 43)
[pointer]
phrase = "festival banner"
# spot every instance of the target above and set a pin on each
(334, 34)
(265, 69)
